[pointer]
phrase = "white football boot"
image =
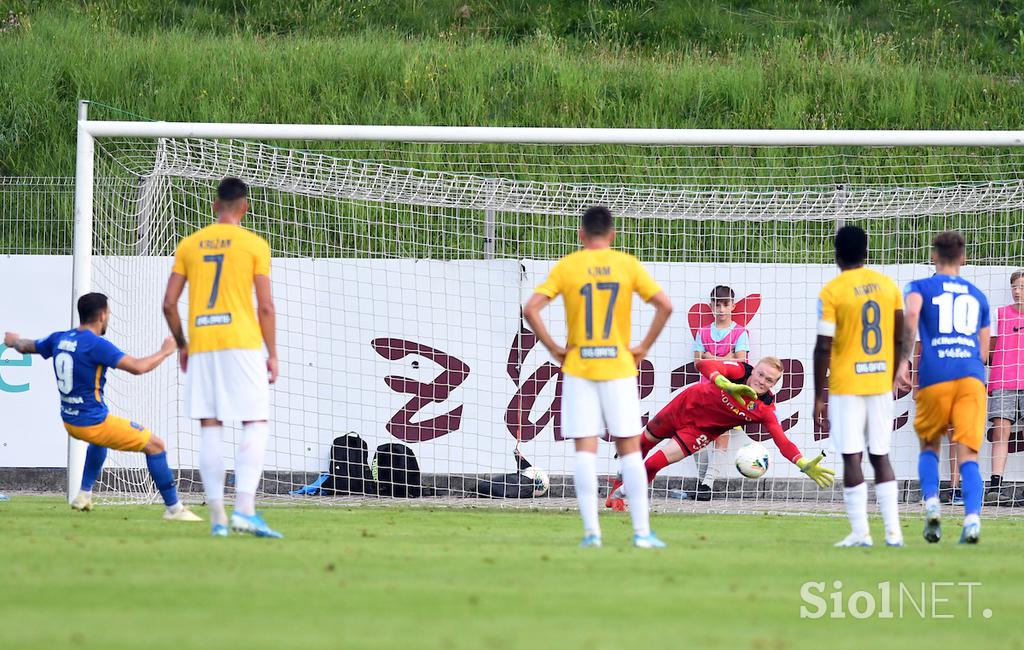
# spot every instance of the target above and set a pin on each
(82, 502)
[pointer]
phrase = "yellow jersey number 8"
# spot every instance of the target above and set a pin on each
(871, 323)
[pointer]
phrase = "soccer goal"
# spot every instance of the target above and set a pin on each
(402, 255)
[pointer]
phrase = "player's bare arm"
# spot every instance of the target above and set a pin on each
(898, 338)
(911, 315)
(531, 312)
(822, 359)
(985, 341)
(175, 285)
(140, 366)
(24, 346)
(268, 321)
(663, 309)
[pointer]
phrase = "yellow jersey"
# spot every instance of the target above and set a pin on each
(597, 287)
(858, 310)
(219, 263)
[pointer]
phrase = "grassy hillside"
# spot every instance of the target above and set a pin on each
(770, 64)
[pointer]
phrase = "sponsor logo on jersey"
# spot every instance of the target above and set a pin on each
(939, 341)
(213, 319)
(599, 352)
(870, 367)
(731, 405)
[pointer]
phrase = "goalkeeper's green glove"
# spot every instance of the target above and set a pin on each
(739, 391)
(823, 476)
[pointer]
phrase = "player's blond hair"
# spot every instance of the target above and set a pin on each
(774, 362)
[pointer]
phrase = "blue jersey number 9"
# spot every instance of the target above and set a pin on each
(64, 367)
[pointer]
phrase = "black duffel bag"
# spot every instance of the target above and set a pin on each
(398, 472)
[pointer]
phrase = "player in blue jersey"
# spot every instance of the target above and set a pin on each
(81, 358)
(952, 316)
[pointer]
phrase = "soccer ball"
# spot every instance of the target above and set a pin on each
(541, 483)
(752, 460)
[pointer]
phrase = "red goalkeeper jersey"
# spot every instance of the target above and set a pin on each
(702, 412)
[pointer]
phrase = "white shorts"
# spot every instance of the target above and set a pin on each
(229, 385)
(852, 418)
(589, 407)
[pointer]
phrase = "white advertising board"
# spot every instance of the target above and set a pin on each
(429, 353)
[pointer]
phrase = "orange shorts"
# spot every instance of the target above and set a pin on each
(961, 403)
(113, 433)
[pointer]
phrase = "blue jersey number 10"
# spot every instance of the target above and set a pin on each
(958, 313)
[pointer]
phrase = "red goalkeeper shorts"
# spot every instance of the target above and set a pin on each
(662, 426)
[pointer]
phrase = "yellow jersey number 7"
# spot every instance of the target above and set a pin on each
(219, 261)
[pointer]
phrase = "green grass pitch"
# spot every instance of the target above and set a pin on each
(421, 577)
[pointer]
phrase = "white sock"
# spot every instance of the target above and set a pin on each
(885, 495)
(715, 458)
(175, 507)
(634, 479)
(932, 501)
(972, 519)
(87, 493)
(211, 469)
(701, 460)
(585, 483)
(856, 499)
(249, 466)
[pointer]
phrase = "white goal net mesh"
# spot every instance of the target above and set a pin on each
(399, 270)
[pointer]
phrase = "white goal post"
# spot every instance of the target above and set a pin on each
(383, 230)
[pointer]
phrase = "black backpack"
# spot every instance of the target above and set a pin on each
(350, 472)
(398, 472)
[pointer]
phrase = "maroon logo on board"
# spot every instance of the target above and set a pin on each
(517, 414)
(700, 315)
(453, 373)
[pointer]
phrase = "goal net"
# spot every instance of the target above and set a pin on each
(400, 268)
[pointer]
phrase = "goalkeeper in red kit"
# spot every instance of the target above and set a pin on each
(738, 394)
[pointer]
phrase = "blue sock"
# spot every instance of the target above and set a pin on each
(94, 459)
(162, 476)
(928, 471)
(973, 487)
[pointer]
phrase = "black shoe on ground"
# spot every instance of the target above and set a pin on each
(999, 496)
(703, 493)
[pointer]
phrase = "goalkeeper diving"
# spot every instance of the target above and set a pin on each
(738, 394)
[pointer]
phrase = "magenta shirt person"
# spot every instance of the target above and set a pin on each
(1006, 386)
